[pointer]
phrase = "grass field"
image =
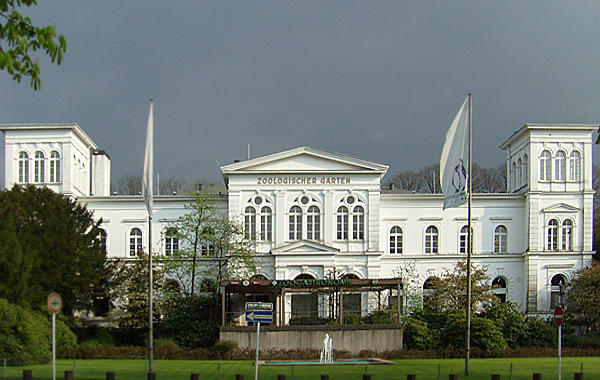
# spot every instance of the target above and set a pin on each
(425, 369)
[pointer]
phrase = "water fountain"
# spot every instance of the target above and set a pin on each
(327, 351)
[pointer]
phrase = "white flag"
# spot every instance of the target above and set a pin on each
(149, 162)
(454, 162)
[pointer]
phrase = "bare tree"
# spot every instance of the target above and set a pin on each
(427, 180)
(431, 179)
(489, 180)
(173, 185)
(129, 184)
(408, 180)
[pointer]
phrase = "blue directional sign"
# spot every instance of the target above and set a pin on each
(259, 316)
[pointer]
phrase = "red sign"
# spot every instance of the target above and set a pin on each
(558, 316)
(54, 303)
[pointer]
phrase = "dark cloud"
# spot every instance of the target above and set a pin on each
(378, 80)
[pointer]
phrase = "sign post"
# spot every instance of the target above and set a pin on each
(558, 320)
(54, 304)
(258, 312)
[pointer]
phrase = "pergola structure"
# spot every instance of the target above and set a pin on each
(275, 291)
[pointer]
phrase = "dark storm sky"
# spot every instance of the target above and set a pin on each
(377, 80)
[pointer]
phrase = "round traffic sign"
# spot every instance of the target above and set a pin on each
(558, 316)
(54, 302)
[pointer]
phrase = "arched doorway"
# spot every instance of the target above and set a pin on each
(352, 301)
(557, 290)
(305, 306)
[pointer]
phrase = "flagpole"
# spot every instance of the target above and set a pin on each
(148, 199)
(469, 251)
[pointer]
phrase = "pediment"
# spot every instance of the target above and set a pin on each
(304, 160)
(560, 208)
(305, 247)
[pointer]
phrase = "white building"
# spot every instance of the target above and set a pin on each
(313, 210)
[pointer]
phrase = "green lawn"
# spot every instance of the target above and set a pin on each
(425, 369)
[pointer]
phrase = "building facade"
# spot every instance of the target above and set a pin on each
(315, 212)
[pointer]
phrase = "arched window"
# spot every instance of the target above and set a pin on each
(557, 290)
(519, 173)
(545, 160)
(463, 238)
(102, 240)
(525, 171)
(295, 223)
(39, 168)
(500, 239)
(396, 240)
(23, 167)
(266, 223)
(428, 291)
(431, 239)
(499, 289)
(567, 235)
(358, 223)
(560, 166)
(171, 241)
(513, 175)
(552, 235)
(575, 166)
(250, 223)
(342, 223)
(313, 223)
(54, 167)
(135, 241)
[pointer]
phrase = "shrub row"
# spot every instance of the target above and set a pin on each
(229, 351)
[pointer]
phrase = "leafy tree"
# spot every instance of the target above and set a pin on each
(448, 291)
(130, 283)
(212, 248)
(19, 38)
(583, 294)
(48, 243)
(410, 291)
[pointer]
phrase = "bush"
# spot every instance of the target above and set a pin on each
(191, 323)
(417, 335)
(539, 333)
(510, 321)
(485, 335)
(26, 336)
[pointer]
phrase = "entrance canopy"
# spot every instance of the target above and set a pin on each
(301, 293)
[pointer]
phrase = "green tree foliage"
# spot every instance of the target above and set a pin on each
(192, 323)
(410, 292)
(25, 336)
(583, 295)
(485, 335)
(510, 321)
(130, 283)
(48, 242)
(19, 39)
(448, 292)
(212, 248)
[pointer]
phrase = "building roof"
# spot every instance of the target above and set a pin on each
(45, 126)
(547, 126)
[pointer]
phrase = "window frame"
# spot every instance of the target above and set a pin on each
(23, 167)
(396, 236)
(39, 166)
(500, 239)
(54, 167)
(575, 166)
(545, 165)
(432, 240)
(136, 241)
(560, 166)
